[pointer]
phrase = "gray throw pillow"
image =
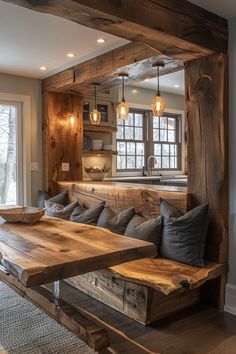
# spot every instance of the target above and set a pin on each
(143, 229)
(59, 211)
(184, 236)
(42, 197)
(61, 198)
(116, 223)
(87, 216)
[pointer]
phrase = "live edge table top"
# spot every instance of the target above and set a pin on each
(55, 249)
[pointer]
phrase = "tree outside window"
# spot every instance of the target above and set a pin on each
(7, 154)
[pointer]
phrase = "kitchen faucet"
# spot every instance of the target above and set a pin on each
(149, 169)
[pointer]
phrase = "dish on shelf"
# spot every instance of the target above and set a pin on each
(97, 173)
(96, 144)
(97, 176)
(107, 147)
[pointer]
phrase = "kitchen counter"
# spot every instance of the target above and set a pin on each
(168, 188)
(146, 178)
(175, 180)
(133, 178)
(165, 180)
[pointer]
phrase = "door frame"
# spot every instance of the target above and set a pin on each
(23, 102)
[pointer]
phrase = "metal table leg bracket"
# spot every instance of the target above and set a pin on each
(56, 293)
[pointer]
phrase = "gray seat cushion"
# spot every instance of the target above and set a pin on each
(116, 223)
(61, 198)
(184, 236)
(59, 211)
(143, 229)
(87, 216)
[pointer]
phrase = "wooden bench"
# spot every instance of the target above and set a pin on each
(149, 289)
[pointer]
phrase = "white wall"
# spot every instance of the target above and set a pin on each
(231, 287)
(29, 87)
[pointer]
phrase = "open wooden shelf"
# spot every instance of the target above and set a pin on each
(99, 129)
(99, 152)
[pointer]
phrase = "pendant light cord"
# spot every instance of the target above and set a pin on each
(158, 81)
(95, 96)
(71, 103)
(123, 89)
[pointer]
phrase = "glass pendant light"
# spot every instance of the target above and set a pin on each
(158, 103)
(95, 115)
(122, 110)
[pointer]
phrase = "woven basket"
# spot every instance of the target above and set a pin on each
(27, 215)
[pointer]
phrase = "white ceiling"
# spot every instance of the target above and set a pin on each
(223, 8)
(167, 83)
(29, 40)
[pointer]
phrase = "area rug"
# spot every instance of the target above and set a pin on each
(24, 329)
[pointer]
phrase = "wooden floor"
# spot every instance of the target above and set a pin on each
(197, 331)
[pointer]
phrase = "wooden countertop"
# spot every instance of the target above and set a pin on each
(129, 185)
(146, 178)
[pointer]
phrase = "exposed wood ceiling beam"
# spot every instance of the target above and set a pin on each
(134, 58)
(176, 28)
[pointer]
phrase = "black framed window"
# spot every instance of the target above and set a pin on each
(143, 135)
(166, 141)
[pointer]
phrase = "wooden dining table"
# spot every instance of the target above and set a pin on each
(51, 250)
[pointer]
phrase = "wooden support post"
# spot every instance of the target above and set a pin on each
(61, 141)
(207, 131)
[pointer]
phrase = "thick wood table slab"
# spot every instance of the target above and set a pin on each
(55, 249)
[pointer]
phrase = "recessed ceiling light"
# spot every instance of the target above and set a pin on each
(43, 68)
(101, 40)
(134, 91)
(70, 55)
(176, 86)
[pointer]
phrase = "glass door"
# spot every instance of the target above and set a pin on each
(11, 159)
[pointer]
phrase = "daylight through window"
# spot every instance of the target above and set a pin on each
(143, 135)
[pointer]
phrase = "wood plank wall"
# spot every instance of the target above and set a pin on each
(61, 142)
(206, 82)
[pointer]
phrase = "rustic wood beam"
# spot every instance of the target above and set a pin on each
(178, 29)
(134, 58)
(207, 130)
